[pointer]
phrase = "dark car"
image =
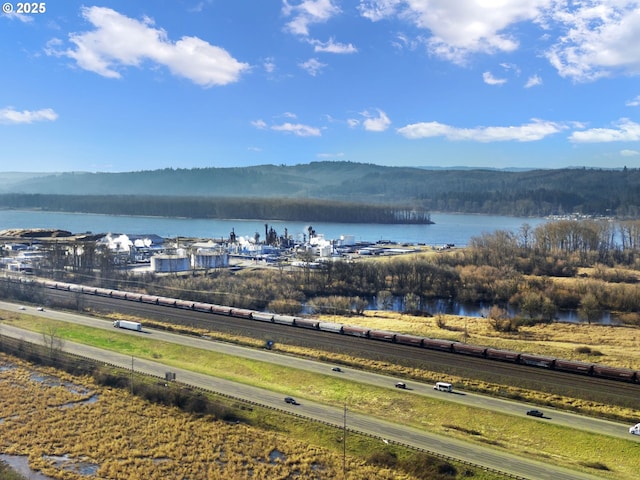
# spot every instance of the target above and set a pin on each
(336, 369)
(401, 385)
(290, 400)
(535, 413)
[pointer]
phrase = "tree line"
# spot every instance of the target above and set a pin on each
(286, 209)
(521, 193)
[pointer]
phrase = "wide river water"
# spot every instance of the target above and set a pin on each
(448, 228)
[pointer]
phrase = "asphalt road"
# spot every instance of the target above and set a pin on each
(476, 454)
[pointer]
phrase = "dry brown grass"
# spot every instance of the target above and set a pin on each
(133, 439)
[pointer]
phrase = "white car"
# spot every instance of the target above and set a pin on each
(635, 430)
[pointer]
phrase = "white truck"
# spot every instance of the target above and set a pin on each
(137, 326)
(443, 387)
(635, 430)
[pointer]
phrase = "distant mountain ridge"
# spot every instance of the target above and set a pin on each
(511, 192)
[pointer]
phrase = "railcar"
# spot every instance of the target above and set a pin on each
(134, 297)
(411, 340)
(220, 310)
(49, 284)
(466, 349)
(355, 331)
(616, 373)
(330, 327)
(202, 307)
(262, 316)
(536, 360)
(241, 313)
(152, 299)
(119, 294)
(89, 290)
(306, 323)
(103, 292)
(436, 344)
(502, 355)
(283, 319)
(185, 304)
(382, 335)
(75, 288)
(167, 302)
(573, 366)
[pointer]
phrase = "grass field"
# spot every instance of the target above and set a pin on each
(616, 458)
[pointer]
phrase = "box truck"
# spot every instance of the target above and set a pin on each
(137, 326)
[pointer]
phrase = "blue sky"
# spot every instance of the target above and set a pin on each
(127, 86)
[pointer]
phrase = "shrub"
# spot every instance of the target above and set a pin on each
(384, 458)
(630, 318)
(285, 307)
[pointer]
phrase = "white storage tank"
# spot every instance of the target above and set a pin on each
(170, 263)
(210, 260)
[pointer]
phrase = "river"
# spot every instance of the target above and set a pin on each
(448, 228)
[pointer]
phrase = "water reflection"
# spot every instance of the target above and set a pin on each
(481, 310)
(20, 463)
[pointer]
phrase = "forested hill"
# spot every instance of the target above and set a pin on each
(533, 192)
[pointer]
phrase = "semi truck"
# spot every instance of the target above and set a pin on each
(137, 326)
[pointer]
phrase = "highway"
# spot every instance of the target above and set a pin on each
(476, 454)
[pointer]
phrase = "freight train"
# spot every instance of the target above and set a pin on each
(527, 359)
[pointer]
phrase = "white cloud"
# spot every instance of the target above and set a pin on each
(535, 130)
(332, 47)
(375, 123)
(297, 129)
(629, 153)
(533, 81)
(269, 65)
(588, 39)
(353, 122)
(19, 16)
(403, 42)
(259, 124)
(119, 41)
(312, 66)
(460, 28)
(11, 116)
(635, 102)
(376, 10)
(601, 38)
(306, 13)
(489, 79)
(330, 155)
(625, 131)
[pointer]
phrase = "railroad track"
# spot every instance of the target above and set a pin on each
(504, 373)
